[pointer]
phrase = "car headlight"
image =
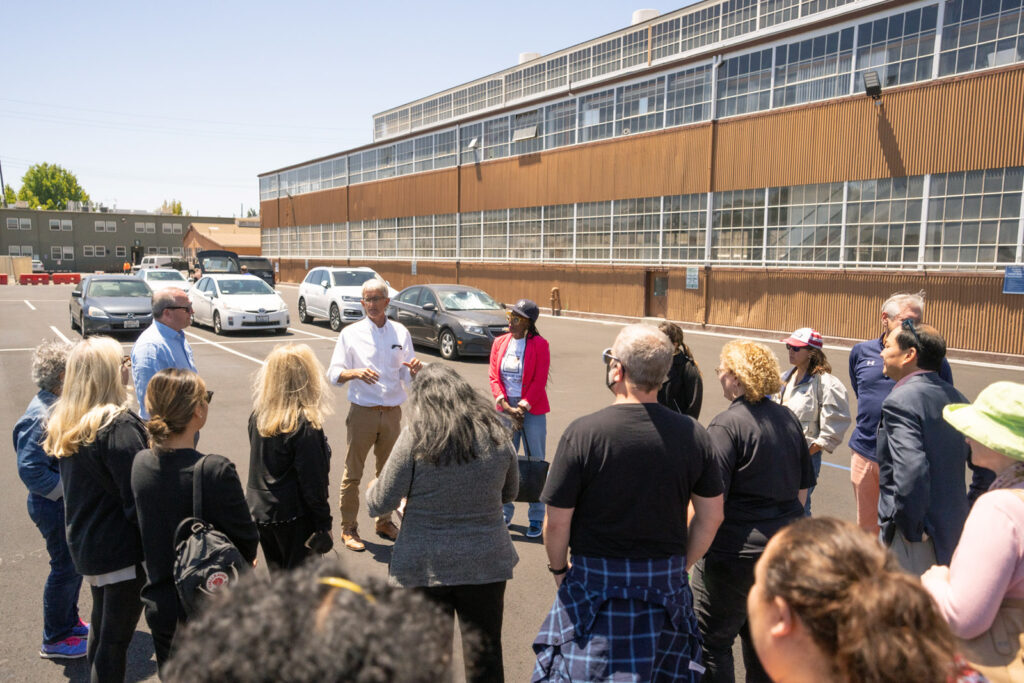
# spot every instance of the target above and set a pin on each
(350, 299)
(96, 312)
(475, 329)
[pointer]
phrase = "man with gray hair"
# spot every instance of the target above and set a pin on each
(64, 633)
(378, 354)
(871, 387)
(617, 496)
(162, 345)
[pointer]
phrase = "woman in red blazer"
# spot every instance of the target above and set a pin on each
(520, 361)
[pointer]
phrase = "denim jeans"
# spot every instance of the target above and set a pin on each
(60, 594)
(535, 428)
(816, 462)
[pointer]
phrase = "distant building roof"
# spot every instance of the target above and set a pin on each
(227, 236)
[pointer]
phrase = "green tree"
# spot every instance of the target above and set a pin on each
(48, 186)
(172, 207)
(10, 195)
(252, 213)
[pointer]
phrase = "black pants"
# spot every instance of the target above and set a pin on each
(480, 609)
(720, 586)
(115, 613)
(284, 544)
(163, 615)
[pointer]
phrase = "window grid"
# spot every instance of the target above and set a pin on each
(805, 224)
(778, 11)
(593, 231)
(495, 235)
(606, 57)
(597, 116)
(665, 39)
(744, 83)
(688, 96)
(883, 221)
(813, 69)
(738, 17)
(640, 107)
(899, 47)
(637, 227)
(634, 48)
(738, 226)
(979, 34)
(684, 228)
(524, 234)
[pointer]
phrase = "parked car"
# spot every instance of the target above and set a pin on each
(230, 302)
(158, 278)
(455, 319)
(335, 294)
(111, 303)
(260, 266)
(211, 261)
(37, 266)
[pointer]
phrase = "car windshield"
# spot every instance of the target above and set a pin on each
(467, 300)
(352, 278)
(246, 286)
(219, 264)
(256, 263)
(119, 288)
(164, 275)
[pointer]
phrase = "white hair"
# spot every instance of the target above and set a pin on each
(375, 285)
(895, 304)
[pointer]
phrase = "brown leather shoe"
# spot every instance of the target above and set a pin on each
(388, 530)
(350, 537)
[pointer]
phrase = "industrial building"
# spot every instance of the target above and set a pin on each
(752, 164)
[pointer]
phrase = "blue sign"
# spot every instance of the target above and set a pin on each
(692, 278)
(1013, 280)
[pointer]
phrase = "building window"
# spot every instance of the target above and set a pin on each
(444, 236)
(738, 17)
(883, 221)
(55, 224)
(635, 232)
(444, 149)
(813, 69)
(25, 223)
(404, 157)
(527, 132)
(814, 6)
(55, 252)
(579, 65)
(495, 235)
(898, 47)
(634, 48)
(88, 250)
(146, 228)
(558, 233)
(700, 28)
(560, 124)
(496, 136)
(387, 237)
(640, 107)
(737, 229)
(606, 57)
(556, 72)
(978, 34)
(423, 153)
(420, 237)
(121, 252)
(62, 253)
(805, 224)
(665, 39)
(171, 228)
(151, 250)
(12, 223)
(177, 251)
(66, 225)
(470, 241)
(597, 116)
(593, 231)
(688, 96)
(777, 11)
(973, 217)
(471, 142)
(524, 234)
(684, 228)
(404, 234)
(744, 83)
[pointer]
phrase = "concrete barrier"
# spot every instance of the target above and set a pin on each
(3, 278)
(67, 278)
(34, 279)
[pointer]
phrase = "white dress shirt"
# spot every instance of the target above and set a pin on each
(382, 349)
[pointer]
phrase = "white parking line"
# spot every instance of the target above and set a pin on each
(29, 305)
(60, 334)
(222, 347)
(313, 334)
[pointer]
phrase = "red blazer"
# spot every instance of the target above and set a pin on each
(536, 363)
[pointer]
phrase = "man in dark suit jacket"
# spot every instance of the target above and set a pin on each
(923, 501)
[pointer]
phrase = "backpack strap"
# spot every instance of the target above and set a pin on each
(197, 488)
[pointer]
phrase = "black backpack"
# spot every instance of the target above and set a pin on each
(205, 560)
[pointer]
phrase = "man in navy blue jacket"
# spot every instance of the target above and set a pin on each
(64, 633)
(872, 387)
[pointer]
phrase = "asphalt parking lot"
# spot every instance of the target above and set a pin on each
(228, 363)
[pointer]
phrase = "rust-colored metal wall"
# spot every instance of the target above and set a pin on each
(326, 206)
(414, 195)
(973, 122)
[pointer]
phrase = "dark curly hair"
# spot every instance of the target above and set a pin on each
(291, 626)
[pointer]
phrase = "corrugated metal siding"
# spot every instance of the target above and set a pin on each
(414, 195)
(268, 213)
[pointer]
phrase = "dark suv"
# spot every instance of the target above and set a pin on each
(259, 266)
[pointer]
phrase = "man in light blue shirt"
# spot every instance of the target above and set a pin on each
(162, 345)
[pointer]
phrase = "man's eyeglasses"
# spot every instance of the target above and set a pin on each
(209, 396)
(908, 325)
(179, 308)
(607, 357)
(126, 362)
(373, 299)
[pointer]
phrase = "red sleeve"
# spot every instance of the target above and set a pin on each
(535, 386)
(497, 350)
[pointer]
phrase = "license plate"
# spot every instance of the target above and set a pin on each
(130, 324)
(263, 318)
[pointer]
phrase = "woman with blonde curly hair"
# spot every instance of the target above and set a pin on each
(289, 457)
(162, 481)
(95, 438)
(830, 604)
(766, 470)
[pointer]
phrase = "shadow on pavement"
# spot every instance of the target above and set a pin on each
(141, 664)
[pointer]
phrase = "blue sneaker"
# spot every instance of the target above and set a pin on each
(69, 648)
(81, 629)
(535, 530)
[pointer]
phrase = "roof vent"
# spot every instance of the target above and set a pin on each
(525, 57)
(642, 15)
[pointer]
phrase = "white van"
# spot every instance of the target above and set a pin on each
(153, 261)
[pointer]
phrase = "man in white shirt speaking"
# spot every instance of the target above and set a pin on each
(376, 358)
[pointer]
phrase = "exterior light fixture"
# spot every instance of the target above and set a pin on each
(872, 86)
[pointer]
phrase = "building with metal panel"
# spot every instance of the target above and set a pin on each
(762, 164)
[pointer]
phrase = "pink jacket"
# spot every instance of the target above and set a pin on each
(536, 363)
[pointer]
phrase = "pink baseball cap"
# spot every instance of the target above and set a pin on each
(805, 336)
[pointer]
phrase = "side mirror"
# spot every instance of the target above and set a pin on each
(75, 294)
(429, 307)
(325, 284)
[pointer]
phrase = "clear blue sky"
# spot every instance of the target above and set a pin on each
(191, 100)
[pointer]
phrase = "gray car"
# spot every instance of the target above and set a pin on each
(455, 319)
(111, 303)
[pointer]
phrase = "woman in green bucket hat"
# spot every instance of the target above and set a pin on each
(981, 593)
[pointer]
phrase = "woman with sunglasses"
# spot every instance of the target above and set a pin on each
(816, 397)
(520, 361)
(178, 405)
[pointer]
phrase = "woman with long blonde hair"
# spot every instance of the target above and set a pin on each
(95, 438)
(289, 457)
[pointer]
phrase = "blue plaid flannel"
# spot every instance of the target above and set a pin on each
(621, 620)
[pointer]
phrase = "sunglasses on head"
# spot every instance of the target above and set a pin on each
(908, 325)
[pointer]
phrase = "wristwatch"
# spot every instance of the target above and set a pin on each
(558, 572)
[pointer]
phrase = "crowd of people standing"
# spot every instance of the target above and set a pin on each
(665, 539)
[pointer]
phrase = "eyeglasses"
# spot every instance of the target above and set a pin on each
(126, 362)
(373, 299)
(795, 348)
(607, 357)
(209, 396)
(513, 316)
(179, 308)
(908, 325)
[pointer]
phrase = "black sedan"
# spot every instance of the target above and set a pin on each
(111, 303)
(455, 319)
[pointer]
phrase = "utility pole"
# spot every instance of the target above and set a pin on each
(3, 192)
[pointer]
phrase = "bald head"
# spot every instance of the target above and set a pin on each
(169, 306)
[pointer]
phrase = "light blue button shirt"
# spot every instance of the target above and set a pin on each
(157, 348)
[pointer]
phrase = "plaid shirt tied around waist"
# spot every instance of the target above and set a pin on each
(623, 620)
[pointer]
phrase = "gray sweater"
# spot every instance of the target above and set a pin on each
(453, 532)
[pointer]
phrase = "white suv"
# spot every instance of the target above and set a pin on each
(335, 294)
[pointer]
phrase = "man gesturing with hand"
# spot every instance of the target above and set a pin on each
(375, 357)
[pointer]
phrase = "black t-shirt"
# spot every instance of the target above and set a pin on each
(629, 470)
(763, 457)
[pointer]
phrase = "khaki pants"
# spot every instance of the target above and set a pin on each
(365, 428)
(864, 477)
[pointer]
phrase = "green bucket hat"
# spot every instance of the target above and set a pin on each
(995, 419)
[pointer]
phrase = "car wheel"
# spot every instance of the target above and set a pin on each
(335, 318)
(82, 327)
(303, 316)
(217, 329)
(74, 323)
(448, 346)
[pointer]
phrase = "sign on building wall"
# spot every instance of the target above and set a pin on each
(693, 277)
(413, 267)
(1013, 280)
